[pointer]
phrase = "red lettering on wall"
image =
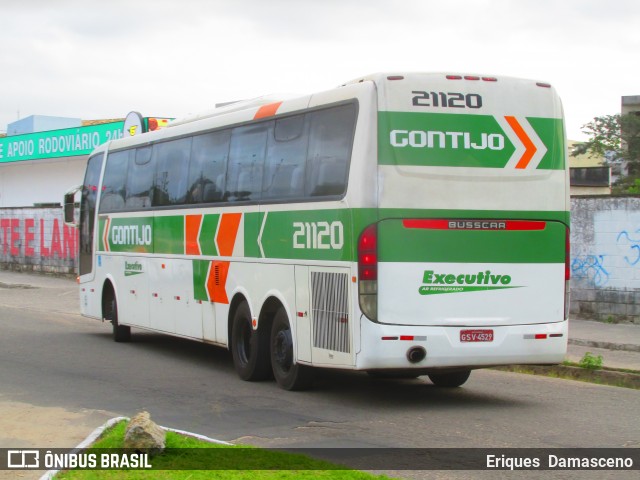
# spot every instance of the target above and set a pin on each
(44, 251)
(38, 238)
(56, 244)
(29, 237)
(4, 225)
(15, 237)
(70, 241)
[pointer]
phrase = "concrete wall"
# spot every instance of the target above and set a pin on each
(605, 258)
(36, 239)
(24, 183)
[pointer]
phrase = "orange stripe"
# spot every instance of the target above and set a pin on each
(105, 237)
(267, 110)
(217, 280)
(192, 229)
(530, 148)
(227, 232)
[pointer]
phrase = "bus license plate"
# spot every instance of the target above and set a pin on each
(476, 335)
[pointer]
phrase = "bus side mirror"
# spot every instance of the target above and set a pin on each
(69, 206)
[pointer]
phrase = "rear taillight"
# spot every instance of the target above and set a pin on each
(567, 272)
(567, 250)
(368, 253)
(368, 271)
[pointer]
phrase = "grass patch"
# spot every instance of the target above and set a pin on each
(591, 362)
(569, 371)
(567, 363)
(186, 452)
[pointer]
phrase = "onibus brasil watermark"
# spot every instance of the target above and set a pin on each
(40, 459)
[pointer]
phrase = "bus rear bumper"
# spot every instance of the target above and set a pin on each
(390, 346)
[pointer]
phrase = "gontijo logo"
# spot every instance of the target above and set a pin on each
(127, 234)
(462, 140)
(454, 140)
(131, 235)
(437, 283)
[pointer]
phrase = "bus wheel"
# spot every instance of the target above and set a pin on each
(450, 380)
(121, 333)
(249, 347)
(288, 374)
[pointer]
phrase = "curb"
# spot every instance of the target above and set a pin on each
(627, 347)
(24, 286)
(93, 436)
(603, 377)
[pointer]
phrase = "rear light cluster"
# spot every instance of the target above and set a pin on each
(542, 336)
(368, 271)
(567, 272)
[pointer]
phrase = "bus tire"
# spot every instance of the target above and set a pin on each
(451, 379)
(288, 374)
(121, 333)
(249, 347)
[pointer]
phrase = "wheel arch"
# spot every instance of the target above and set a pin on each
(268, 311)
(108, 288)
(237, 299)
(270, 305)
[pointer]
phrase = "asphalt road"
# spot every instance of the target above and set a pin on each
(52, 357)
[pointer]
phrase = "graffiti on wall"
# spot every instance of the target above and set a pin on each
(590, 268)
(630, 241)
(37, 237)
(612, 259)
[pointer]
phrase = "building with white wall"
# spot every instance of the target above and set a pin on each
(41, 158)
(37, 166)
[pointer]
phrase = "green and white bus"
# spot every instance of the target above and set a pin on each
(400, 224)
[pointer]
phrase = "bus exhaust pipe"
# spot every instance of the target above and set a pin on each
(416, 354)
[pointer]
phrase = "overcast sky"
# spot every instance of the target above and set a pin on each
(102, 59)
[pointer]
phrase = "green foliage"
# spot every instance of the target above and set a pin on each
(591, 362)
(605, 136)
(242, 462)
(615, 137)
(634, 187)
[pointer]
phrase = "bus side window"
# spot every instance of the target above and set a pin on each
(286, 158)
(88, 213)
(113, 184)
(208, 166)
(330, 142)
(246, 162)
(172, 169)
(140, 179)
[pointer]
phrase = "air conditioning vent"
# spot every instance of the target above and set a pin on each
(330, 311)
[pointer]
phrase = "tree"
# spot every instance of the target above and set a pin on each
(617, 138)
(604, 133)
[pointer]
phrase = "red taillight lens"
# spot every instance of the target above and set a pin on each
(368, 272)
(567, 255)
(567, 273)
(368, 253)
